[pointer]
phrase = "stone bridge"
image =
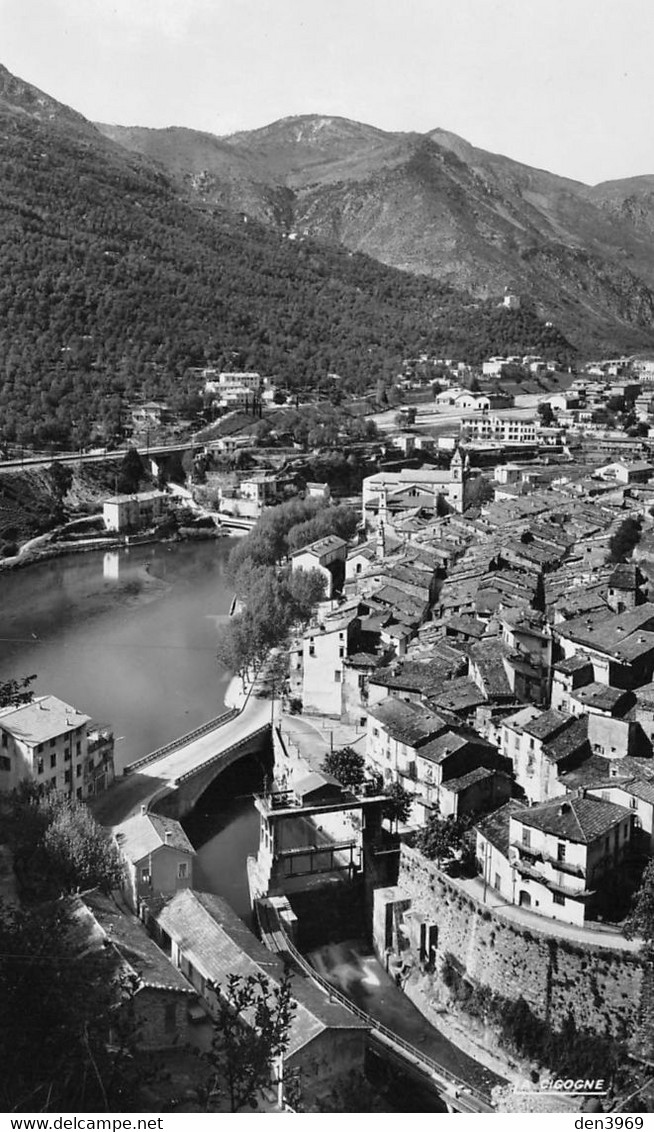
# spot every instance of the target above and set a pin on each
(171, 779)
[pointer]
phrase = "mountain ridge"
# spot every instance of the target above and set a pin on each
(433, 204)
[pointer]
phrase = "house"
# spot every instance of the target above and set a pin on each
(408, 742)
(208, 943)
(324, 653)
(158, 857)
(49, 742)
(622, 472)
(541, 745)
(163, 1003)
(555, 858)
(134, 512)
(328, 556)
(619, 646)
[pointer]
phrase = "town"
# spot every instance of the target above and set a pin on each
(450, 578)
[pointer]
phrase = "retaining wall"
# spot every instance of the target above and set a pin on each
(598, 986)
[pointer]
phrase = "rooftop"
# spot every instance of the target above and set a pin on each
(46, 717)
(219, 944)
(145, 833)
(581, 820)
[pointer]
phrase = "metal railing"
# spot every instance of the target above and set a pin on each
(175, 744)
(447, 1079)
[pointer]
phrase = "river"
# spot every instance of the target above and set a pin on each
(96, 630)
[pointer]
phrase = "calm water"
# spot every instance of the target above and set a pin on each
(129, 637)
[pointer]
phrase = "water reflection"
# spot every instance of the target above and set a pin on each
(136, 650)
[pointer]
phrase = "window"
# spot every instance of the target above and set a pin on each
(558, 898)
(341, 652)
(78, 770)
(79, 793)
(52, 742)
(5, 762)
(78, 748)
(526, 837)
(39, 766)
(67, 776)
(53, 760)
(337, 676)
(67, 755)
(4, 738)
(40, 748)
(560, 851)
(375, 731)
(145, 876)
(633, 802)
(182, 870)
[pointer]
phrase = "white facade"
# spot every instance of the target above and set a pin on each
(47, 742)
(132, 512)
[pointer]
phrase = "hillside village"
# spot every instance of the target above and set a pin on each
(484, 646)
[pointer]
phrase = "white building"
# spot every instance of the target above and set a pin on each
(134, 512)
(48, 742)
(555, 858)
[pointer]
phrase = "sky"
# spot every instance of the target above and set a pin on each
(564, 85)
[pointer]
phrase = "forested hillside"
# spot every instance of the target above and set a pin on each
(113, 285)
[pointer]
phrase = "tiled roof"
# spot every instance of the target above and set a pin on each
(458, 785)
(410, 723)
(143, 834)
(547, 724)
(219, 944)
(98, 920)
(495, 827)
(581, 820)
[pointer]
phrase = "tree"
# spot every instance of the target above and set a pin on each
(346, 765)
(130, 473)
(623, 541)
(398, 807)
(479, 491)
(81, 854)
(640, 921)
(546, 414)
(64, 1045)
(251, 1031)
(441, 837)
(15, 693)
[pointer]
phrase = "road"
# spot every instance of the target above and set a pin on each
(597, 936)
(135, 789)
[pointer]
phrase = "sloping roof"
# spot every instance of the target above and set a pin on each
(458, 785)
(495, 827)
(99, 921)
(547, 724)
(410, 723)
(582, 820)
(143, 834)
(321, 546)
(45, 718)
(219, 944)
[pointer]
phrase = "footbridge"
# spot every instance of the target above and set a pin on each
(171, 779)
(457, 1094)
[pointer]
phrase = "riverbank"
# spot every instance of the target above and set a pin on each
(47, 550)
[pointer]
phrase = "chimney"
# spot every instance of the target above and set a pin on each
(144, 810)
(168, 837)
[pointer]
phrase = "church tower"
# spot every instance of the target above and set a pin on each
(458, 475)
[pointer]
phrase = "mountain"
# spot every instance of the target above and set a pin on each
(432, 204)
(119, 278)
